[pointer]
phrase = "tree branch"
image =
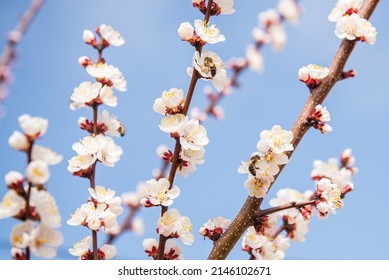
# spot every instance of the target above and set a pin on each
(244, 219)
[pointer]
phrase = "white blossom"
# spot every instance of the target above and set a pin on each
(289, 9)
(172, 223)
(214, 228)
(186, 31)
(343, 7)
(208, 34)
(353, 27)
(81, 247)
(13, 178)
(86, 92)
(193, 136)
(108, 75)
(46, 207)
(278, 139)
(11, 205)
(210, 66)
(138, 227)
(108, 250)
(42, 240)
(170, 124)
(81, 164)
(329, 197)
(278, 36)
(37, 172)
(107, 196)
(225, 6)
(330, 169)
(268, 18)
(257, 187)
(45, 154)
(254, 58)
(88, 37)
(33, 127)
(111, 36)
(158, 193)
(18, 141)
(172, 101)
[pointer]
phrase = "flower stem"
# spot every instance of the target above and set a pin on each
(244, 219)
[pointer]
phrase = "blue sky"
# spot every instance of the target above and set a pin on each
(154, 59)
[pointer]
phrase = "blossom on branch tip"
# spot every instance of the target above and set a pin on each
(289, 10)
(33, 127)
(208, 34)
(210, 66)
(354, 27)
(312, 75)
(171, 102)
(158, 193)
(84, 61)
(344, 7)
(328, 197)
(89, 37)
(110, 36)
(19, 141)
(173, 225)
(214, 228)
(224, 7)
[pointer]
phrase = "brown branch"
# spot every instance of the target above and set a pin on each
(285, 207)
(15, 36)
(244, 219)
(28, 193)
(177, 148)
(278, 231)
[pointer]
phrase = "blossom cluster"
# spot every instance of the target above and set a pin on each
(349, 24)
(191, 135)
(270, 31)
(265, 163)
(312, 75)
(172, 251)
(103, 207)
(27, 198)
(319, 118)
(214, 228)
(332, 183)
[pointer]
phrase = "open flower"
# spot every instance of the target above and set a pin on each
(193, 136)
(344, 7)
(352, 27)
(158, 193)
(45, 154)
(108, 75)
(42, 240)
(172, 224)
(312, 75)
(171, 102)
(82, 249)
(11, 205)
(210, 66)
(110, 36)
(37, 172)
(278, 139)
(33, 127)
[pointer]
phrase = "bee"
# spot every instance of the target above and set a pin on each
(253, 160)
(121, 129)
(208, 62)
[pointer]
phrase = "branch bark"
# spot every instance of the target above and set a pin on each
(244, 219)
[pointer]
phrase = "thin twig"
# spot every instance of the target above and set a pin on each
(244, 219)
(14, 38)
(285, 207)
